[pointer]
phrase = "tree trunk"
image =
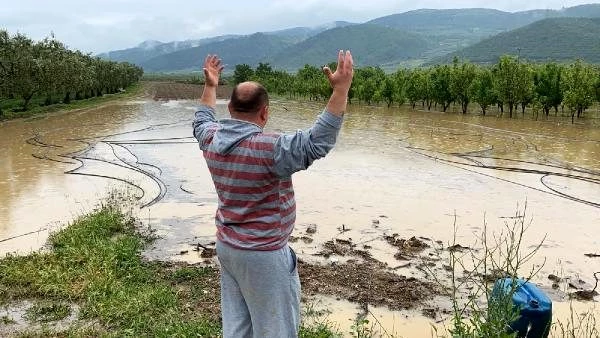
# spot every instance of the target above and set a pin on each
(67, 98)
(523, 106)
(483, 110)
(510, 110)
(27, 98)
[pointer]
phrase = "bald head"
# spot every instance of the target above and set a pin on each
(248, 97)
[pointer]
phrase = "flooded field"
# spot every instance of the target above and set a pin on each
(394, 171)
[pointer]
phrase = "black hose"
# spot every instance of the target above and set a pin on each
(459, 165)
(23, 235)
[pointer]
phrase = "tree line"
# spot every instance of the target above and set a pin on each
(47, 69)
(511, 85)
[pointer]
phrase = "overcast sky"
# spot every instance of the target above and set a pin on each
(103, 25)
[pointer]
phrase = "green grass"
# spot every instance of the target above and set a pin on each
(45, 311)
(96, 263)
(10, 108)
(6, 320)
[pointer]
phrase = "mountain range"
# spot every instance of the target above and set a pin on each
(425, 36)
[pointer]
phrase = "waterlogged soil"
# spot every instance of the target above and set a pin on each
(363, 280)
(165, 91)
(400, 189)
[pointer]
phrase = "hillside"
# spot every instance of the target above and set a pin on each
(452, 29)
(409, 39)
(370, 45)
(149, 49)
(555, 39)
(462, 22)
(249, 49)
(302, 33)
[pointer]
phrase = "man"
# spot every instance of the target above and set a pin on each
(251, 170)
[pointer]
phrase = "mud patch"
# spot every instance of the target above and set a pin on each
(363, 279)
(165, 91)
(365, 283)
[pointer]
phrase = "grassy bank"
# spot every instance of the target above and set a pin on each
(9, 107)
(94, 282)
(95, 265)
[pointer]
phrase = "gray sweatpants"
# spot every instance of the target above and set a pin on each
(260, 292)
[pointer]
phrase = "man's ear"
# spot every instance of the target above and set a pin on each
(264, 114)
(229, 107)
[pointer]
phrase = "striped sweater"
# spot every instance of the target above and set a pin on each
(252, 170)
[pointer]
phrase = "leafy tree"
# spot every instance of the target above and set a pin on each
(441, 79)
(414, 87)
(242, 73)
(525, 85)
(308, 81)
(399, 79)
(263, 70)
(388, 91)
(461, 78)
(482, 89)
(48, 69)
(369, 84)
(506, 74)
(547, 82)
(579, 82)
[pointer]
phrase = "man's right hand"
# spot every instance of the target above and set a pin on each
(342, 78)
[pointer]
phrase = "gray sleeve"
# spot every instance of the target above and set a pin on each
(204, 125)
(295, 152)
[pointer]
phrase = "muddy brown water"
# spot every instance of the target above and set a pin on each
(393, 171)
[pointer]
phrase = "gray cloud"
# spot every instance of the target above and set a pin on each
(97, 26)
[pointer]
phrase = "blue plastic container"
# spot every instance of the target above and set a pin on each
(535, 315)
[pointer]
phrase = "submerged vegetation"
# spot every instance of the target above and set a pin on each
(46, 72)
(512, 85)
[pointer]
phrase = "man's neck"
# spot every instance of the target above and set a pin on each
(246, 118)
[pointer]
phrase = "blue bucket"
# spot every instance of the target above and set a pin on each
(535, 308)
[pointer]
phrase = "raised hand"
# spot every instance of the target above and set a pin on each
(212, 70)
(342, 78)
(340, 81)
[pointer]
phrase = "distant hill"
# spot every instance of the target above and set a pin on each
(303, 33)
(370, 45)
(152, 48)
(249, 49)
(412, 38)
(556, 39)
(452, 29)
(584, 11)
